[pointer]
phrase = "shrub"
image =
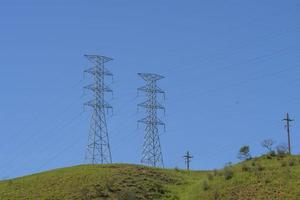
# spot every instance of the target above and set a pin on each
(268, 144)
(210, 177)
(244, 153)
(215, 172)
(100, 191)
(282, 150)
(259, 167)
(84, 193)
(127, 195)
(228, 173)
(267, 181)
(216, 195)
(205, 185)
(10, 183)
(283, 164)
(271, 154)
(245, 168)
(291, 162)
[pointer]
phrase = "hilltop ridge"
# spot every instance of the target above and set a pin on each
(267, 177)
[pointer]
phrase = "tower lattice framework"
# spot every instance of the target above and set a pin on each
(98, 148)
(152, 153)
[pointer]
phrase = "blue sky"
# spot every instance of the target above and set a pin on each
(232, 72)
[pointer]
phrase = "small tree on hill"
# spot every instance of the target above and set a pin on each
(244, 153)
(228, 172)
(282, 150)
(268, 144)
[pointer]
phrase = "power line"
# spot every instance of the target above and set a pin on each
(236, 84)
(235, 51)
(55, 156)
(254, 60)
(152, 154)
(98, 148)
(62, 126)
(36, 115)
(33, 135)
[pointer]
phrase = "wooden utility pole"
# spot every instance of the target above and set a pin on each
(288, 125)
(188, 159)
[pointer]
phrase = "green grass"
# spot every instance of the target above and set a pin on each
(259, 178)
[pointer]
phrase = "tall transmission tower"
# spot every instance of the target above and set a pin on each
(152, 154)
(98, 148)
(288, 121)
(188, 159)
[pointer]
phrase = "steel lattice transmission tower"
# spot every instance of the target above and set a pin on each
(152, 154)
(98, 148)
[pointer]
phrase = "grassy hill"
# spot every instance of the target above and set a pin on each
(260, 178)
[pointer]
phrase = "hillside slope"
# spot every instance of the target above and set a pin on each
(260, 178)
(274, 178)
(99, 182)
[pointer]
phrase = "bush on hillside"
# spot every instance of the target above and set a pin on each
(283, 164)
(244, 153)
(215, 172)
(292, 162)
(271, 154)
(127, 195)
(216, 195)
(205, 185)
(259, 167)
(282, 150)
(85, 194)
(228, 173)
(268, 145)
(245, 168)
(210, 177)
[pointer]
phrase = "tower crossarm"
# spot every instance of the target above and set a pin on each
(95, 88)
(97, 59)
(150, 76)
(149, 121)
(149, 105)
(150, 89)
(96, 104)
(98, 71)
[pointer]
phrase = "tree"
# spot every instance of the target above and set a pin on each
(282, 149)
(268, 144)
(244, 153)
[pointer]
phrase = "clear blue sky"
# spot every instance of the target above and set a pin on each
(232, 72)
